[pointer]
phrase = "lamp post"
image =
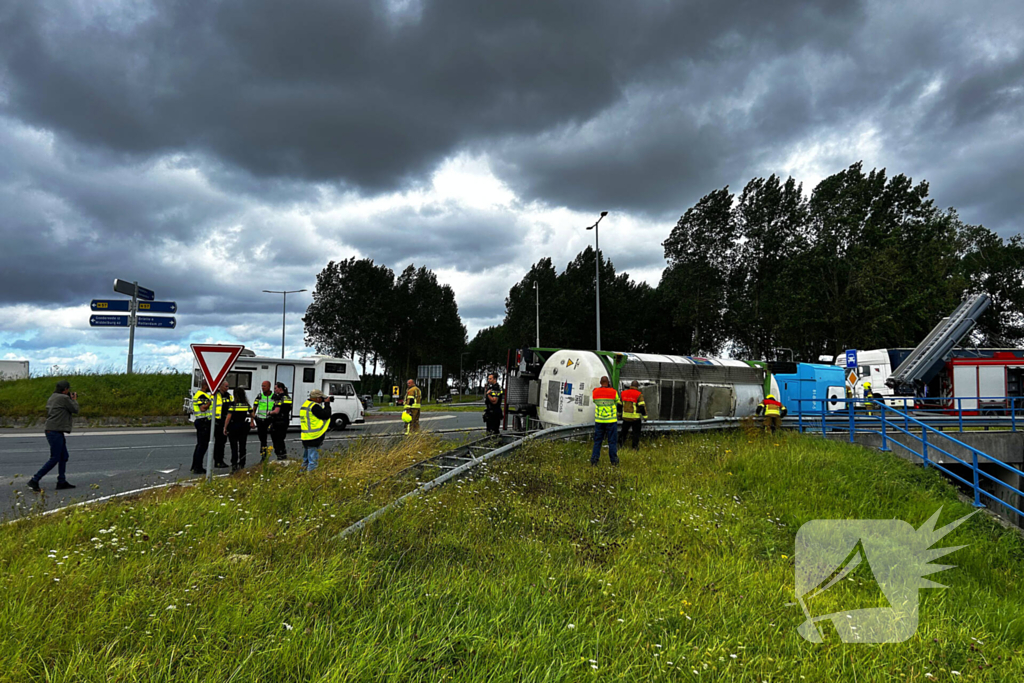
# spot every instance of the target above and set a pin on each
(462, 377)
(284, 306)
(597, 282)
(536, 288)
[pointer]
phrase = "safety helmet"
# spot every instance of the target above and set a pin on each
(771, 396)
(867, 384)
(406, 417)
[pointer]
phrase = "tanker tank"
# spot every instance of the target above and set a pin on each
(674, 387)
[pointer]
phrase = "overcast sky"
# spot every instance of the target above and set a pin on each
(211, 149)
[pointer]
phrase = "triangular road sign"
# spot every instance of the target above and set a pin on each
(215, 360)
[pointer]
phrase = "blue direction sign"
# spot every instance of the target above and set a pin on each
(158, 307)
(108, 320)
(111, 305)
(851, 358)
(154, 321)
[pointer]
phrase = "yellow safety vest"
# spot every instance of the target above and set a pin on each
(263, 405)
(605, 400)
(312, 426)
(412, 398)
(197, 400)
(218, 400)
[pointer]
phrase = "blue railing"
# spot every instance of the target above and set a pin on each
(925, 439)
(942, 413)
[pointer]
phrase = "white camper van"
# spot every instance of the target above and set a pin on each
(333, 376)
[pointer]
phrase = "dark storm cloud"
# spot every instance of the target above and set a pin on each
(352, 91)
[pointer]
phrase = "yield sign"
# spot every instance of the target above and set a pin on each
(215, 360)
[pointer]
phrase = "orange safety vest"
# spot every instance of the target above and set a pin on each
(605, 399)
(632, 399)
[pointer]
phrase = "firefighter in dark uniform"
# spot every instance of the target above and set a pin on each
(634, 412)
(220, 437)
(261, 407)
(492, 405)
(280, 418)
(773, 412)
(202, 411)
(236, 427)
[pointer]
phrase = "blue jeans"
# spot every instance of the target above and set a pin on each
(58, 456)
(603, 430)
(310, 456)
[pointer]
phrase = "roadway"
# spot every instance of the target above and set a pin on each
(108, 461)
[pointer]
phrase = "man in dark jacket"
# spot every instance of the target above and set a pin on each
(60, 409)
(492, 405)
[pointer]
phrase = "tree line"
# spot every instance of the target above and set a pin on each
(865, 261)
(392, 323)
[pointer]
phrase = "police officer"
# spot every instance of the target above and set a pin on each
(492, 405)
(202, 403)
(315, 418)
(236, 427)
(772, 411)
(606, 423)
(413, 399)
(280, 418)
(261, 407)
(220, 437)
(634, 412)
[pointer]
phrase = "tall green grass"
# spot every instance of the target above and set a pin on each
(675, 566)
(100, 395)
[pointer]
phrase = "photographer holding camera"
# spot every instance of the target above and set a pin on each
(314, 418)
(60, 410)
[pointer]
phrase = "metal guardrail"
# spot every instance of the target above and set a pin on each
(926, 438)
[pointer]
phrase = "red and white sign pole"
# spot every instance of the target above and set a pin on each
(215, 360)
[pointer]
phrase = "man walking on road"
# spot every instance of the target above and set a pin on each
(60, 410)
(262, 405)
(202, 411)
(492, 405)
(413, 398)
(606, 424)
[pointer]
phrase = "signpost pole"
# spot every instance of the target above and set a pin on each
(131, 326)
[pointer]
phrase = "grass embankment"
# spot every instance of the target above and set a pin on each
(676, 566)
(138, 395)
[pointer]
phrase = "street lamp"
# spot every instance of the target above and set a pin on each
(536, 288)
(597, 282)
(284, 304)
(462, 377)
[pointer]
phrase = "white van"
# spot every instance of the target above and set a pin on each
(333, 376)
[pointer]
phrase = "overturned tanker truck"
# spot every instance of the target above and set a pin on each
(552, 386)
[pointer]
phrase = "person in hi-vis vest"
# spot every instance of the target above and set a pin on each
(606, 421)
(314, 419)
(634, 413)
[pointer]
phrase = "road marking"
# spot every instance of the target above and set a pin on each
(168, 471)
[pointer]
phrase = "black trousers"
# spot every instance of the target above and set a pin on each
(238, 436)
(278, 430)
(627, 426)
(262, 429)
(202, 443)
(219, 441)
(493, 422)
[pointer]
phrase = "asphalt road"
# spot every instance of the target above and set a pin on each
(107, 461)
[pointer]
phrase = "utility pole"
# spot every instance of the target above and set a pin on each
(131, 326)
(284, 308)
(462, 377)
(597, 282)
(536, 288)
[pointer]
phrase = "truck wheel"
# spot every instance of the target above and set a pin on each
(340, 422)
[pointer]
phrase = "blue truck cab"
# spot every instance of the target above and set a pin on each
(809, 387)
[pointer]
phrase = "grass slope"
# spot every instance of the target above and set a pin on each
(111, 395)
(675, 566)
